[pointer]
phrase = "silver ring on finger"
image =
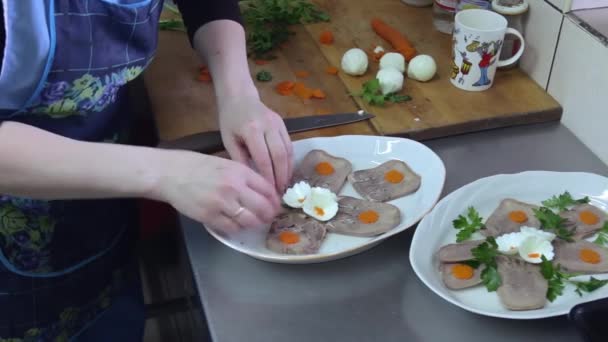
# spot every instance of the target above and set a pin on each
(238, 212)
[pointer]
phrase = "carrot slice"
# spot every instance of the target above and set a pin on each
(318, 94)
(261, 62)
(395, 38)
(326, 37)
(302, 74)
(285, 88)
(332, 70)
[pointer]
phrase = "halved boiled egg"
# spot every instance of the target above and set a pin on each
(509, 243)
(531, 231)
(322, 204)
(297, 195)
(533, 248)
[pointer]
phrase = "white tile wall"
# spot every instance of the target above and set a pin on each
(581, 4)
(579, 82)
(541, 25)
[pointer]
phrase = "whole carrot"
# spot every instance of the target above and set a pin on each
(399, 42)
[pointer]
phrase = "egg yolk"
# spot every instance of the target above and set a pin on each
(534, 255)
(368, 216)
(324, 169)
(462, 271)
(518, 216)
(289, 238)
(319, 211)
(588, 217)
(589, 256)
(393, 176)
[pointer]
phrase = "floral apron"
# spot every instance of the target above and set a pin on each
(63, 263)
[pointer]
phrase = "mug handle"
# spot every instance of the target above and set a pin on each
(514, 58)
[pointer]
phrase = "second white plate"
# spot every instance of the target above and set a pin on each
(436, 230)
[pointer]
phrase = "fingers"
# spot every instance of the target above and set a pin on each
(260, 185)
(259, 153)
(235, 150)
(289, 149)
(276, 147)
(223, 223)
(261, 207)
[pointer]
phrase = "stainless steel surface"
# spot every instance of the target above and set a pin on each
(375, 296)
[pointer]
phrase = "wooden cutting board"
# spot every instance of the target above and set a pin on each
(438, 108)
(182, 105)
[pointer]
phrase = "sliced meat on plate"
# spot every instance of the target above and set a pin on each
(523, 287)
(319, 168)
(385, 182)
(509, 217)
(586, 220)
(363, 218)
(581, 257)
(457, 252)
(294, 233)
(458, 276)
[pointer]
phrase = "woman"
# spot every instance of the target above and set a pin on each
(66, 270)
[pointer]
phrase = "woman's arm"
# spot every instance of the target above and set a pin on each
(38, 164)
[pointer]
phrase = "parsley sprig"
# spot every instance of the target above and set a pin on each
(263, 76)
(551, 221)
(557, 280)
(564, 201)
(602, 235)
(467, 225)
(372, 94)
(485, 254)
(267, 21)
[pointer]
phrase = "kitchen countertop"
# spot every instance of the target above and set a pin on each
(376, 296)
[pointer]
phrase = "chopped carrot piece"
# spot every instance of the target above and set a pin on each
(302, 74)
(332, 70)
(285, 88)
(326, 37)
(261, 62)
(318, 94)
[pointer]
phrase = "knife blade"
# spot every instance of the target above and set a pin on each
(211, 142)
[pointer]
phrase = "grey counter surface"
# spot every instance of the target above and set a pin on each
(376, 296)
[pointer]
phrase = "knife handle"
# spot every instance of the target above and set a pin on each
(205, 142)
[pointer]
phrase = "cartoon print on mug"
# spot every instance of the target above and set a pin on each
(488, 52)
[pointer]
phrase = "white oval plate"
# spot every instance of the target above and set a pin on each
(436, 230)
(363, 152)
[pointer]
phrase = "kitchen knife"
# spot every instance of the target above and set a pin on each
(211, 142)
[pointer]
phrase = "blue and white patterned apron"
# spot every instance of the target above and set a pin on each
(62, 263)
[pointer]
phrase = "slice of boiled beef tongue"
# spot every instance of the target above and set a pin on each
(586, 220)
(319, 168)
(522, 287)
(387, 181)
(295, 233)
(509, 217)
(457, 252)
(581, 257)
(359, 217)
(456, 283)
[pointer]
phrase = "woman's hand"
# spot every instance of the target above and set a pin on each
(250, 130)
(222, 194)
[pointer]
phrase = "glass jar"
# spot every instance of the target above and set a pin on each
(473, 4)
(443, 15)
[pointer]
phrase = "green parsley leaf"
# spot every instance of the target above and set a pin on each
(473, 263)
(588, 286)
(552, 221)
(554, 277)
(490, 278)
(467, 225)
(396, 98)
(486, 252)
(263, 76)
(563, 201)
(372, 94)
(267, 21)
(602, 235)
